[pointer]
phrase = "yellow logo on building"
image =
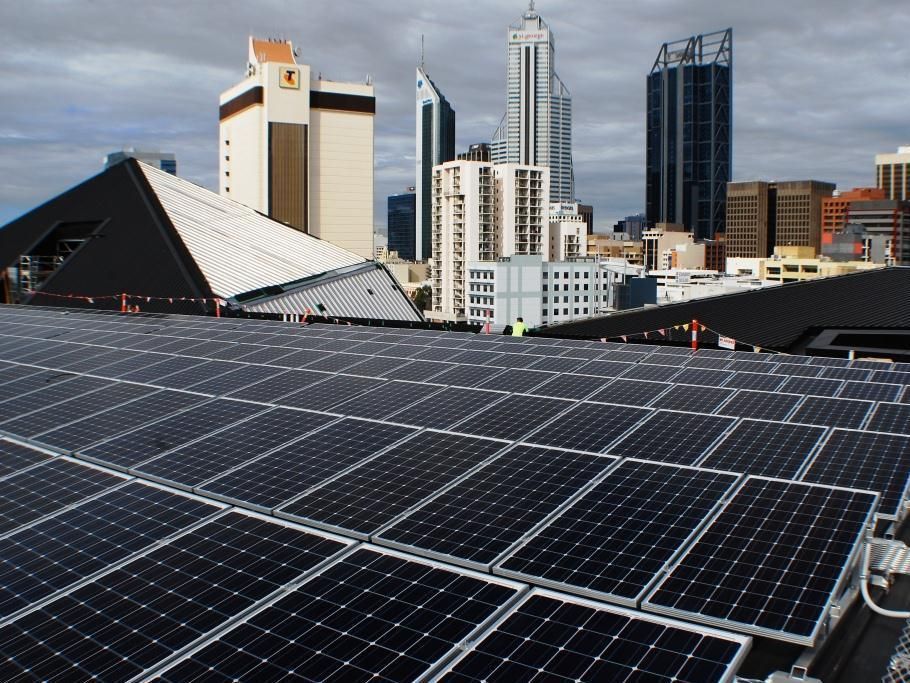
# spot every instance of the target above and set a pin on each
(289, 78)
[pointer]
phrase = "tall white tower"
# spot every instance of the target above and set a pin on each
(537, 127)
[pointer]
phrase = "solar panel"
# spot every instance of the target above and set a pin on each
(893, 377)
(369, 616)
(812, 386)
(156, 371)
(762, 405)
(569, 386)
(756, 381)
(771, 562)
(797, 370)
(81, 433)
(292, 470)
(100, 359)
(702, 377)
(46, 488)
(15, 457)
(295, 359)
(742, 365)
(588, 426)
(604, 368)
(630, 392)
(243, 376)
(145, 443)
(870, 391)
(10, 372)
(513, 417)
(136, 361)
(853, 374)
(551, 637)
(672, 437)
(190, 465)
(401, 351)
(865, 460)
(275, 386)
(707, 363)
(775, 449)
(416, 371)
(375, 367)
(49, 556)
(203, 370)
(890, 417)
(557, 364)
(614, 541)
(386, 399)
(466, 375)
(517, 380)
(64, 412)
(441, 353)
(135, 616)
(36, 392)
(329, 393)
(652, 373)
(584, 352)
(482, 516)
(372, 495)
(693, 398)
(446, 408)
(335, 362)
(832, 412)
(273, 355)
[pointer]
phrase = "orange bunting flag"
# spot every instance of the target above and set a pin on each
(686, 327)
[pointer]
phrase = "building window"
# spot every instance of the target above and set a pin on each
(227, 157)
(586, 275)
(576, 286)
(576, 300)
(565, 311)
(545, 287)
(545, 313)
(576, 311)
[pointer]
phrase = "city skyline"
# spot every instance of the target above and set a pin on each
(816, 95)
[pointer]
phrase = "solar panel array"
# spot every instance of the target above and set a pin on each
(269, 499)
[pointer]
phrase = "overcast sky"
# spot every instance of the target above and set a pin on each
(820, 86)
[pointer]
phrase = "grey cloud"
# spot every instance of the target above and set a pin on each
(819, 86)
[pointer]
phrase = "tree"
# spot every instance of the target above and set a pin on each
(423, 297)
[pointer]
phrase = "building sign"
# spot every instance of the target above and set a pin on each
(528, 36)
(289, 77)
(726, 343)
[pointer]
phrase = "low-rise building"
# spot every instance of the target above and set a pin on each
(568, 232)
(610, 247)
(794, 264)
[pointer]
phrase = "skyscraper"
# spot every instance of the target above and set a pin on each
(892, 174)
(401, 221)
(537, 127)
(300, 150)
(689, 124)
(435, 145)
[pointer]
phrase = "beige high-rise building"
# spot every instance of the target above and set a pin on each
(480, 213)
(892, 174)
(299, 149)
(798, 219)
(762, 215)
(748, 206)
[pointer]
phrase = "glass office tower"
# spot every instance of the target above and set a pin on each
(401, 222)
(689, 124)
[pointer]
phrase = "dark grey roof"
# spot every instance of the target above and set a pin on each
(774, 317)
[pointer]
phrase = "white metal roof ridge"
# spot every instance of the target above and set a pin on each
(236, 248)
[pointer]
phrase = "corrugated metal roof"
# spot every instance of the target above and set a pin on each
(365, 291)
(773, 317)
(236, 248)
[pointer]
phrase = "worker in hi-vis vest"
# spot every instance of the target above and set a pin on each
(519, 328)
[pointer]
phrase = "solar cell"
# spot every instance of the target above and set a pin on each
(549, 637)
(579, 351)
(416, 371)
(749, 365)
(812, 386)
(145, 443)
(870, 391)
(36, 392)
(63, 412)
(832, 412)
(373, 494)
(569, 386)
(707, 363)
(326, 394)
(15, 457)
(854, 374)
(46, 488)
(762, 405)
(890, 417)
(446, 408)
(672, 437)
(294, 469)
(49, 556)
(776, 449)
(614, 541)
(771, 561)
(514, 416)
(517, 380)
(136, 361)
(465, 375)
(295, 359)
(692, 398)
(892, 377)
(10, 372)
(100, 359)
(81, 433)
(132, 618)
(401, 350)
(865, 460)
(190, 465)
(802, 370)
(441, 353)
(483, 515)
(386, 399)
(202, 370)
(369, 616)
(557, 364)
(604, 368)
(156, 371)
(653, 373)
(630, 392)
(756, 381)
(265, 355)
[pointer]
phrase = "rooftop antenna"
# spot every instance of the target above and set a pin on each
(421, 52)
(531, 6)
